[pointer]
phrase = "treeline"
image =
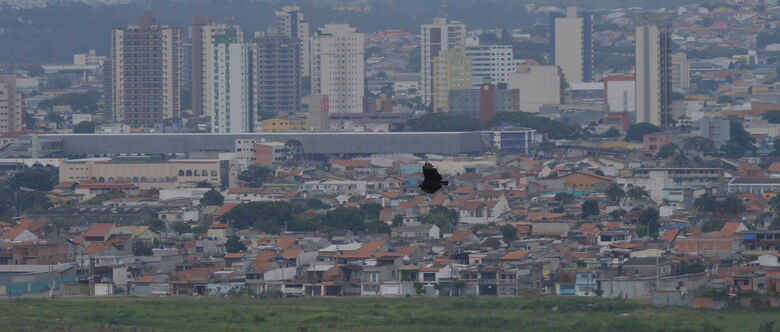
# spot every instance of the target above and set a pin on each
(443, 122)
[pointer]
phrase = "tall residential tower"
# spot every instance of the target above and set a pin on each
(437, 37)
(145, 72)
(203, 32)
(653, 70)
(290, 23)
(337, 67)
(573, 41)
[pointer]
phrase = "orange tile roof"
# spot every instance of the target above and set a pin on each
(366, 250)
(588, 228)
(460, 235)
(237, 255)
(463, 190)
(471, 205)
(285, 242)
(96, 248)
(515, 255)
(670, 235)
(145, 279)
(407, 251)
(225, 208)
(626, 245)
(291, 253)
(439, 199)
(99, 230)
(353, 163)
(729, 229)
(218, 226)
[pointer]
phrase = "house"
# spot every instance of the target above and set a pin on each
(586, 181)
(99, 232)
(150, 285)
(416, 230)
(27, 230)
(219, 232)
(463, 236)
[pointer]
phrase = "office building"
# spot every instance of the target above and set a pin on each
(279, 125)
(337, 69)
(290, 23)
(275, 75)
(316, 107)
(495, 62)
(437, 37)
(186, 69)
(11, 109)
(451, 70)
(538, 86)
(573, 42)
(620, 93)
(230, 86)
(653, 58)
(169, 174)
(203, 33)
(681, 72)
(145, 72)
(718, 130)
(485, 101)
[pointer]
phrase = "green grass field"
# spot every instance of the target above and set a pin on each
(366, 314)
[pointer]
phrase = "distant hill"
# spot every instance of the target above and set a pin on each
(52, 34)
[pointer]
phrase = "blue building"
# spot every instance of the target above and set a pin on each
(511, 139)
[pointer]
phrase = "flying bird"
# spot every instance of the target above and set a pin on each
(432, 181)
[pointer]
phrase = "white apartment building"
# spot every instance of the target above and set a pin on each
(337, 69)
(681, 72)
(10, 105)
(653, 70)
(494, 61)
(437, 37)
(569, 45)
(538, 86)
(230, 81)
(204, 62)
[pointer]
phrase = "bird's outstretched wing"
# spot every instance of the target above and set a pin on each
(430, 173)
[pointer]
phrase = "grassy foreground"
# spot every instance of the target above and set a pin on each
(364, 314)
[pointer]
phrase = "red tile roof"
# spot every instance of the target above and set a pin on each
(218, 226)
(353, 163)
(95, 248)
(99, 230)
(515, 255)
(670, 235)
(285, 242)
(237, 255)
(439, 199)
(291, 253)
(225, 208)
(460, 235)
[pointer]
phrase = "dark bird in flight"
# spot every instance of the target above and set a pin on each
(432, 181)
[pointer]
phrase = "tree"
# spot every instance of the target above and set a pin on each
(776, 144)
(398, 220)
(419, 288)
(615, 193)
(371, 210)
(701, 144)
(156, 224)
(611, 132)
(268, 217)
(552, 128)
(713, 225)
(343, 218)
(32, 200)
(42, 180)
(740, 141)
(233, 245)
(378, 227)
(204, 184)
(212, 197)
(590, 208)
(564, 198)
(772, 116)
(255, 176)
(649, 219)
(200, 229)
(438, 122)
(444, 218)
(637, 192)
(509, 233)
(705, 203)
(667, 150)
(617, 214)
(84, 127)
(724, 99)
(637, 132)
(413, 62)
(181, 227)
(732, 205)
(306, 222)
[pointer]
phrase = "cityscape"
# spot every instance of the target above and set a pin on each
(603, 166)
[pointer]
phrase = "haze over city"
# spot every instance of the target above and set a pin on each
(365, 165)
